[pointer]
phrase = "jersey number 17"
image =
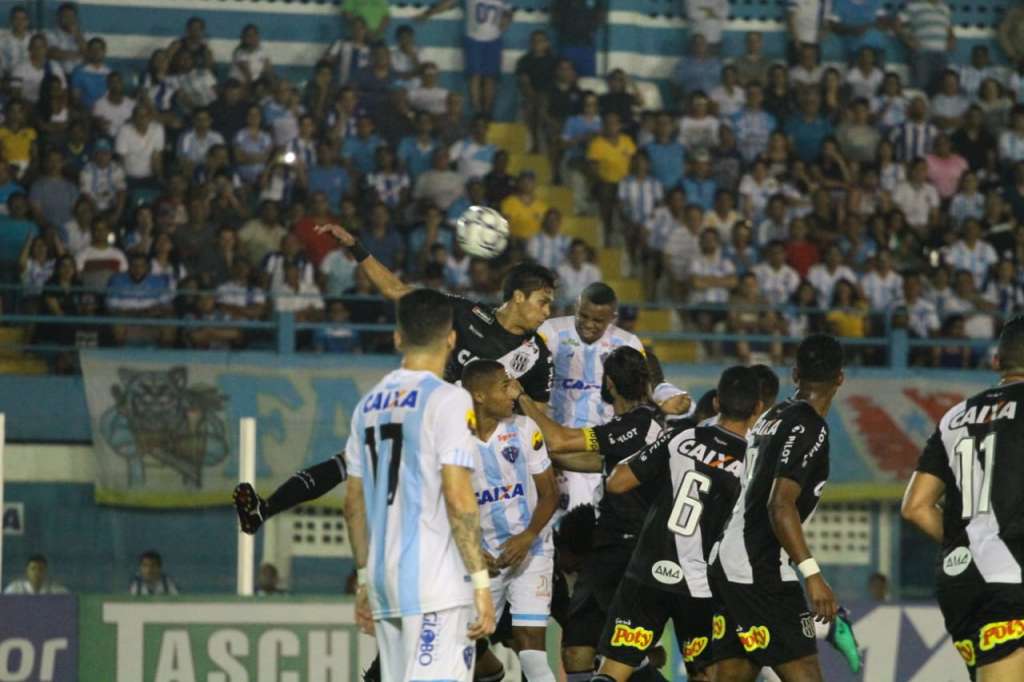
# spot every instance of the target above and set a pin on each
(388, 432)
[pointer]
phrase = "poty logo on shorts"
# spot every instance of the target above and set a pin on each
(995, 634)
(965, 648)
(718, 627)
(755, 638)
(694, 648)
(428, 635)
(638, 638)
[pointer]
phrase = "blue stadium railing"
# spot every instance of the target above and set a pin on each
(893, 346)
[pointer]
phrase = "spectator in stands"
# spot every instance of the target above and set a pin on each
(665, 153)
(968, 202)
(726, 161)
(1004, 290)
(140, 144)
(707, 18)
(297, 295)
(352, 55)
(949, 104)
(36, 580)
(778, 100)
(638, 195)
(808, 72)
(882, 286)
(777, 280)
(945, 168)
(250, 62)
(194, 42)
(196, 142)
(35, 268)
(524, 210)
(622, 98)
(698, 184)
(756, 188)
(659, 226)
(18, 138)
(549, 247)
(382, 239)
(576, 273)
(711, 277)
(535, 73)
(485, 24)
(728, 96)
(740, 248)
(474, 155)
(971, 253)
(926, 27)
(88, 81)
(979, 69)
(847, 315)
(859, 23)
(752, 66)
(775, 225)
(723, 214)
(700, 71)
(230, 111)
(52, 196)
(164, 259)
(252, 147)
(428, 96)
(316, 244)
(857, 138)
(753, 125)
(914, 138)
(211, 337)
(139, 293)
(27, 78)
(361, 149)
(823, 276)
(976, 144)
(440, 185)
(113, 109)
(808, 129)
(576, 23)
(747, 314)
(865, 78)
(262, 234)
(15, 40)
(918, 200)
(577, 134)
(979, 322)
(67, 41)
(238, 297)
(608, 156)
(681, 246)
(922, 315)
(98, 262)
(499, 183)
(1011, 142)
(415, 151)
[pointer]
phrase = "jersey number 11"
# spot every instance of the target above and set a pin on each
(966, 450)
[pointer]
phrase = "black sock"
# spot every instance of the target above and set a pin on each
(307, 485)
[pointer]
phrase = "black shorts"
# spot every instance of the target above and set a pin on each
(637, 618)
(986, 621)
(769, 625)
(593, 594)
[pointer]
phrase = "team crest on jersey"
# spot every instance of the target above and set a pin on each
(467, 656)
(718, 626)
(694, 648)
(511, 454)
(965, 648)
(757, 637)
(807, 625)
(538, 440)
(479, 312)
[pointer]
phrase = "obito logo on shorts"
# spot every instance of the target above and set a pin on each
(694, 648)
(755, 638)
(718, 627)
(638, 638)
(995, 634)
(965, 648)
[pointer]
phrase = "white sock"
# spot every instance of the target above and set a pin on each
(535, 666)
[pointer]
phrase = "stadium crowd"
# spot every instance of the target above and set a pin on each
(773, 196)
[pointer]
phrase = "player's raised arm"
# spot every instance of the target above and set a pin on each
(387, 282)
(785, 519)
(559, 438)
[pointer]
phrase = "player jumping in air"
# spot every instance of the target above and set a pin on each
(507, 334)
(766, 619)
(413, 518)
(697, 472)
(516, 490)
(626, 386)
(973, 460)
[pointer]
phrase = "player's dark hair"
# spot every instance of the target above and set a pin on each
(599, 293)
(527, 278)
(738, 393)
(153, 555)
(478, 373)
(424, 317)
(705, 406)
(819, 359)
(575, 531)
(37, 559)
(768, 381)
(627, 368)
(1011, 346)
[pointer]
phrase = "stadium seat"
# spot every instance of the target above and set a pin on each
(11, 340)
(610, 262)
(675, 351)
(584, 227)
(557, 197)
(593, 84)
(512, 137)
(654, 320)
(628, 290)
(538, 163)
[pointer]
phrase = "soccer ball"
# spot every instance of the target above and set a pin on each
(482, 232)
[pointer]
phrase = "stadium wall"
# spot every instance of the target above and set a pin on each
(644, 37)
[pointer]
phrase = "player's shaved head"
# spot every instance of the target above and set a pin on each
(819, 360)
(739, 393)
(478, 375)
(1011, 346)
(599, 293)
(627, 369)
(768, 381)
(424, 318)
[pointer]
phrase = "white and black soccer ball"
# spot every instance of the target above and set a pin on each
(482, 232)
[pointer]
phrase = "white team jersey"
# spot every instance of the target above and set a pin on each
(483, 19)
(402, 432)
(579, 369)
(503, 483)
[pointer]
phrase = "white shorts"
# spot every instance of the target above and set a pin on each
(428, 647)
(527, 589)
(577, 488)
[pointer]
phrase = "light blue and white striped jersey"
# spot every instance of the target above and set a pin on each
(640, 196)
(579, 370)
(403, 432)
(549, 251)
(503, 483)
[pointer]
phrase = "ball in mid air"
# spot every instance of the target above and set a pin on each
(482, 232)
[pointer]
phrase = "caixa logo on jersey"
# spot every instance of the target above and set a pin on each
(499, 493)
(390, 399)
(579, 385)
(428, 638)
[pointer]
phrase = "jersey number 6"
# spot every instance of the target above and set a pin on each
(392, 432)
(687, 509)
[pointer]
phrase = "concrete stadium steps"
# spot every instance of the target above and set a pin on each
(651, 320)
(628, 290)
(610, 262)
(538, 163)
(557, 197)
(584, 227)
(23, 365)
(11, 341)
(512, 137)
(674, 351)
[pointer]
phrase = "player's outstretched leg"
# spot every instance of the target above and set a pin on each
(806, 669)
(251, 508)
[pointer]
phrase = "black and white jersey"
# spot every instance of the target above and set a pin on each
(976, 451)
(788, 441)
(478, 334)
(698, 473)
(622, 516)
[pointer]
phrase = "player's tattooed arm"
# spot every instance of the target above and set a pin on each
(463, 515)
(921, 503)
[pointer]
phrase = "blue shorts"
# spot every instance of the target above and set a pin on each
(584, 59)
(483, 58)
